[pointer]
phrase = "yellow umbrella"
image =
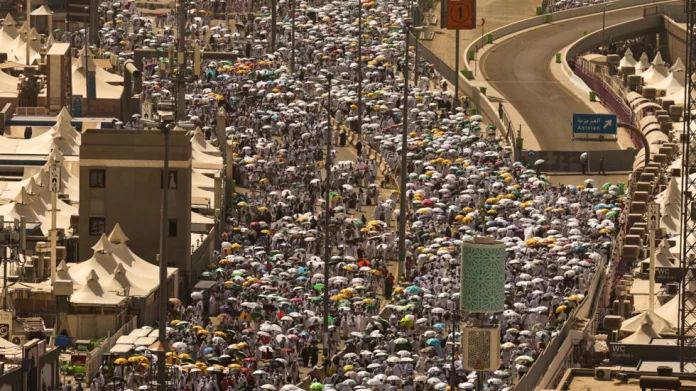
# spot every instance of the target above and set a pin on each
(120, 361)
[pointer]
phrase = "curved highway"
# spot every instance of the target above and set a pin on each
(519, 68)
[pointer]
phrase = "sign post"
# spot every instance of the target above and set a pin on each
(594, 124)
(461, 14)
(54, 183)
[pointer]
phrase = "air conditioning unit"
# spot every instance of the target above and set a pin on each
(481, 348)
(19, 340)
(602, 373)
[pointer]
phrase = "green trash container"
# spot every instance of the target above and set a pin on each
(548, 18)
(471, 55)
(483, 90)
(593, 96)
(489, 38)
(558, 58)
(539, 10)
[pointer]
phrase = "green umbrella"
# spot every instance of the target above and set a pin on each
(318, 286)
(316, 386)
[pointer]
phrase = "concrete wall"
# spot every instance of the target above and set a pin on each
(676, 38)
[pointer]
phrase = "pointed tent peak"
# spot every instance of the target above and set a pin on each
(40, 178)
(64, 116)
(120, 269)
(22, 197)
(117, 235)
(9, 20)
(31, 186)
(658, 59)
(62, 270)
(62, 266)
(103, 245)
(644, 58)
(42, 11)
(629, 54)
(50, 40)
(678, 66)
(92, 276)
(56, 155)
(24, 28)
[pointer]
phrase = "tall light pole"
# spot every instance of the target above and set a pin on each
(166, 128)
(604, 19)
(404, 155)
(457, 41)
(274, 21)
(292, 38)
(360, 74)
(412, 11)
(327, 221)
(165, 125)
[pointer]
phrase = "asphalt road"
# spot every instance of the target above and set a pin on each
(519, 68)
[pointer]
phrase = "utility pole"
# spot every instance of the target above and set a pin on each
(181, 61)
(604, 19)
(327, 221)
(404, 151)
(412, 11)
(292, 38)
(165, 127)
(274, 22)
(457, 42)
(360, 73)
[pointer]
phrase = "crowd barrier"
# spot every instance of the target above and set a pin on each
(94, 359)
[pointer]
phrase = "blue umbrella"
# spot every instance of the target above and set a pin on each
(413, 290)
(433, 342)
(439, 326)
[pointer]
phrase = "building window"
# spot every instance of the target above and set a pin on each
(97, 178)
(173, 179)
(97, 226)
(172, 227)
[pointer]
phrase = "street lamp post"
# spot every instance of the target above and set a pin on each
(292, 38)
(165, 127)
(404, 151)
(457, 41)
(360, 74)
(327, 221)
(274, 21)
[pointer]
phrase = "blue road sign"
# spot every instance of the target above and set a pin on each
(594, 123)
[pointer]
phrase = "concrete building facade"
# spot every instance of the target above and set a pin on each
(121, 182)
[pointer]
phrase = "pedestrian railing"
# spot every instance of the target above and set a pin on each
(94, 359)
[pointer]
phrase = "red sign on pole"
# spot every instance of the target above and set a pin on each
(461, 14)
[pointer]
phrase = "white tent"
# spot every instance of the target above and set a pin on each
(118, 267)
(670, 312)
(660, 325)
(643, 335)
(628, 60)
(656, 72)
(92, 292)
(670, 206)
(643, 63)
(103, 80)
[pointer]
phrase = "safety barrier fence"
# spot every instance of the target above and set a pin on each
(94, 359)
